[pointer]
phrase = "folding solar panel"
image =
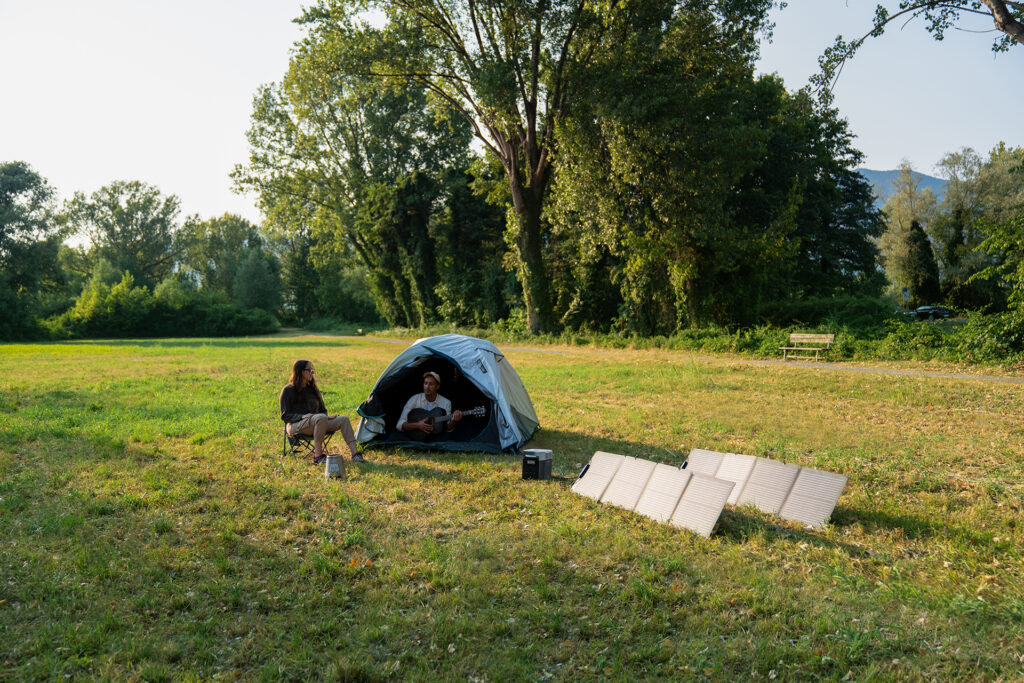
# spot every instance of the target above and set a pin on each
(701, 461)
(814, 497)
(768, 485)
(693, 498)
(735, 468)
(701, 504)
(628, 483)
(664, 488)
(598, 473)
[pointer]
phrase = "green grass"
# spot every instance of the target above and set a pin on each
(150, 528)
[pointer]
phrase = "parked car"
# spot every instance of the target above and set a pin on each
(929, 313)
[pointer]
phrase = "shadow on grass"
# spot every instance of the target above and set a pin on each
(414, 471)
(912, 527)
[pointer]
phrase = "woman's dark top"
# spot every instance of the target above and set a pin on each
(295, 403)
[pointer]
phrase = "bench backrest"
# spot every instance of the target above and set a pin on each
(799, 338)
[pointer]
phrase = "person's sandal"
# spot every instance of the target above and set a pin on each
(358, 457)
(317, 461)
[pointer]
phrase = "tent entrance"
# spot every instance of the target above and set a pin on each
(397, 388)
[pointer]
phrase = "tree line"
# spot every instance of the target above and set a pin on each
(565, 165)
(122, 262)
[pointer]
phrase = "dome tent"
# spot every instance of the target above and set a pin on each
(473, 373)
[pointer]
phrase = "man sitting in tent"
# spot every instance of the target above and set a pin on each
(426, 412)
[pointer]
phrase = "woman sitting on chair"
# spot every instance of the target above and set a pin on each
(304, 412)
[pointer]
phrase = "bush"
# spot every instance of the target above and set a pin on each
(16, 320)
(867, 314)
(988, 338)
(908, 340)
(176, 309)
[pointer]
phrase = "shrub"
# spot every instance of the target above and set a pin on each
(175, 310)
(867, 314)
(16, 320)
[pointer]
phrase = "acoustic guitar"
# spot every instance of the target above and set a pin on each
(436, 417)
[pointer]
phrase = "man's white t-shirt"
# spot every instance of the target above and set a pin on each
(420, 401)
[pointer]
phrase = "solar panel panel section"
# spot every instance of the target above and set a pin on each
(702, 461)
(694, 497)
(814, 497)
(598, 473)
(664, 489)
(735, 468)
(701, 504)
(769, 483)
(628, 483)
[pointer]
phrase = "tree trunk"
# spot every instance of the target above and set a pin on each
(532, 271)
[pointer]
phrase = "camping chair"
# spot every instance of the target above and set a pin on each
(302, 444)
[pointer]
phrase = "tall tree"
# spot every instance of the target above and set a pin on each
(29, 245)
(700, 191)
(29, 238)
(920, 269)
(979, 193)
(513, 70)
(908, 205)
(807, 177)
(130, 224)
(650, 159)
(354, 168)
(212, 250)
(257, 281)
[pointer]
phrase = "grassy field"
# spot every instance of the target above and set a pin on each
(150, 528)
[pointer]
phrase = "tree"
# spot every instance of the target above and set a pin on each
(131, 225)
(807, 178)
(979, 193)
(257, 283)
(369, 191)
(1006, 240)
(650, 158)
(352, 168)
(939, 15)
(29, 246)
(212, 250)
(515, 71)
(920, 269)
(29, 239)
(909, 202)
(700, 193)
(909, 205)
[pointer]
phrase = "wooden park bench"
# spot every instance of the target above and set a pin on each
(801, 345)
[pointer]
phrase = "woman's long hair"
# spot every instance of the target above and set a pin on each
(296, 379)
(297, 367)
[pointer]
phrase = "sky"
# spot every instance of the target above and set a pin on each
(906, 96)
(93, 91)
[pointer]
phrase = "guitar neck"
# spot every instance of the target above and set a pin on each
(475, 412)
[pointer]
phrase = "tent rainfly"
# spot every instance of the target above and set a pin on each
(473, 373)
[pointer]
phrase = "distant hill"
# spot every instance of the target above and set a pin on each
(883, 182)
